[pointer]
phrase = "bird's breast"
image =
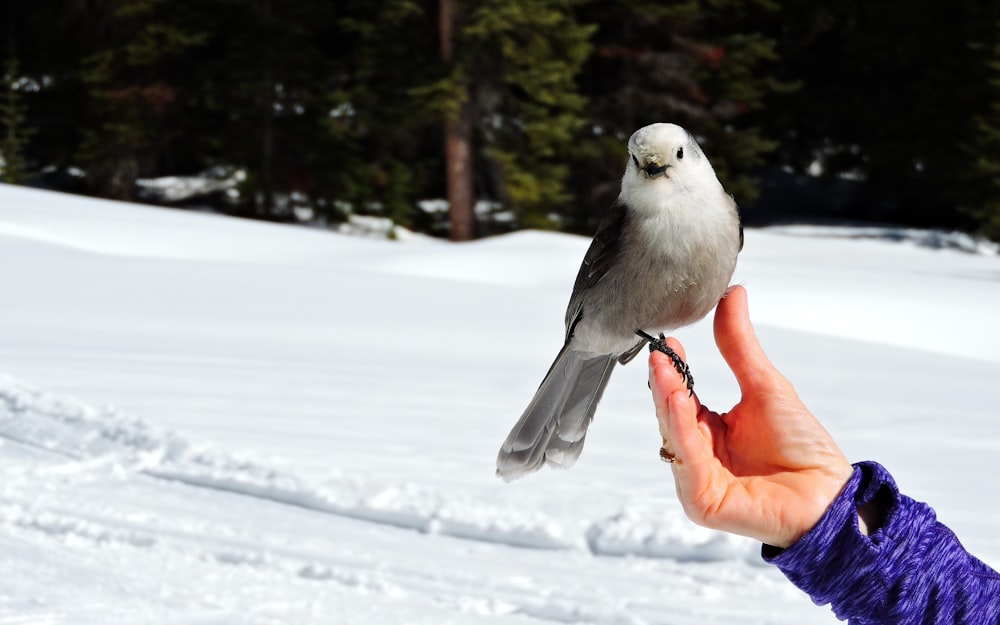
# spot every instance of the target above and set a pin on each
(670, 272)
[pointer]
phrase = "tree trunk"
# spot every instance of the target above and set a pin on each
(266, 206)
(458, 153)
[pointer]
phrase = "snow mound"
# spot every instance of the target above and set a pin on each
(137, 231)
(104, 438)
(934, 239)
(526, 258)
(185, 188)
(666, 533)
(71, 529)
(378, 228)
(69, 428)
(565, 611)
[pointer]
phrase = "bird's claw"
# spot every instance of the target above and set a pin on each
(659, 344)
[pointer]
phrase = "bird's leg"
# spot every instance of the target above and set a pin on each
(660, 345)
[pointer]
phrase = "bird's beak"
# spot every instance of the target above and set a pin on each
(652, 169)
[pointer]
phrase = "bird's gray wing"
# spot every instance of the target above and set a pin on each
(599, 258)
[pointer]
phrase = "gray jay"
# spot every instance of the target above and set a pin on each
(661, 259)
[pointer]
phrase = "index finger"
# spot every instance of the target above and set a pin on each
(677, 411)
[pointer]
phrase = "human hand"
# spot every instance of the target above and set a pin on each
(766, 469)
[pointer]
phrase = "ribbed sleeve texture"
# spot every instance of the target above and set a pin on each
(911, 570)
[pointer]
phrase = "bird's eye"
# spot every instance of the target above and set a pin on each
(635, 160)
(680, 153)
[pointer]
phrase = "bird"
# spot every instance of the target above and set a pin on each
(661, 258)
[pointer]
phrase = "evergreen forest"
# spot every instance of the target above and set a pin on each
(465, 118)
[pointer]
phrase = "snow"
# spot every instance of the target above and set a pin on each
(212, 420)
(171, 189)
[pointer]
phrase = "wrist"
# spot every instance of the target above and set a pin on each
(826, 491)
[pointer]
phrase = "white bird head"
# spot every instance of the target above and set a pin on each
(665, 159)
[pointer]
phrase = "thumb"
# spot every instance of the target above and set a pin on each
(738, 344)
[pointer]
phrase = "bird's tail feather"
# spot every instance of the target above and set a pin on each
(553, 426)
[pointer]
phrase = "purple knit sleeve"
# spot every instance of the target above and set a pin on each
(911, 570)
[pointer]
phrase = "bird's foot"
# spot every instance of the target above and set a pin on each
(659, 344)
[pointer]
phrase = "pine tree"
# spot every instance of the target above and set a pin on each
(513, 77)
(521, 61)
(981, 190)
(739, 70)
(13, 118)
(47, 56)
(385, 123)
(134, 78)
(258, 87)
(888, 89)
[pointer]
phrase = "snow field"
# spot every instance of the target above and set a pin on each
(212, 420)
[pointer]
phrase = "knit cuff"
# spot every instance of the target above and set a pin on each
(834, 562)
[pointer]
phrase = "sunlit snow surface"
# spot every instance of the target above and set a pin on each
(208, 420)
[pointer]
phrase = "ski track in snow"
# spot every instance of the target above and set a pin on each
(89, 440)
(92, 438)
(77, 449)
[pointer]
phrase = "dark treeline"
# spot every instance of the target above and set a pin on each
(844, 109)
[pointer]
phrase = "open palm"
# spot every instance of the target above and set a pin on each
(766, 469)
